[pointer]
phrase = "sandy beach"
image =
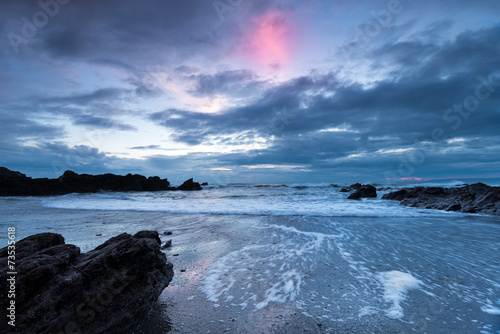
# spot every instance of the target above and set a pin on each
(294, 274)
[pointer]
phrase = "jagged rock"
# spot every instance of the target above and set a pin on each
(351, 188)
(364, 191)
(204, 184)
(189, 185)
(17, 184)
(60, 290)
(7, 174)
(474, 198)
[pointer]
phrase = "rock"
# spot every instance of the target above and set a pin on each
(364, 191)
(474, 198)
(204, 184)
(398, 195)
(7, 174)
(351, 188)
(454, 207)
(167, 244)
(60, 290)
(189, 185)
(17, 184)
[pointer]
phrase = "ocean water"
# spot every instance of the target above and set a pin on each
(285, 258)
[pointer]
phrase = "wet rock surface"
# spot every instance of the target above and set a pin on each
(473, 198)
(359, 191)
(107, 290)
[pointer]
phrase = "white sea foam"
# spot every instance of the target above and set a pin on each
(287, 288)
(396, 285)
(259, 275)
(490, 308)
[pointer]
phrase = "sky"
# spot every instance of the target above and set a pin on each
(232, 91)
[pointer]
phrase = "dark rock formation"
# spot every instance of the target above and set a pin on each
(474, 198)
(189, 185)
(359, 190)
(351, 188)
(204, 184)
(167, 244)
(365, 190)
(17, 184)
(107, 290)
(7, 174)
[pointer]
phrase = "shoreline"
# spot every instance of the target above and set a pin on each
(202, 240)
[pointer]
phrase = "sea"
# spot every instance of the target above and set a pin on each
(293, 257)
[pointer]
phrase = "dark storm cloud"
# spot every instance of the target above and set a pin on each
(321, 120)
(128, 32)
(428, 80)
(14, 128)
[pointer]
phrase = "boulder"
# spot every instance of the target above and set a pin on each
(60, 290)
(189, 185)
(351, 188)
(364, 191)
(474, 198)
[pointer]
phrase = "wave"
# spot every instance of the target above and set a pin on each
(256, 206)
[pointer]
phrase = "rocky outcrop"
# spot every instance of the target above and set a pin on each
(351, 188)
(189, 185)
(7, 174)
(359, 191)
(365, 191)
(474, 198)
(60, 290)
(17, 184)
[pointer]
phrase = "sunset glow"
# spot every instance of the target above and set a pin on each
(271, 41)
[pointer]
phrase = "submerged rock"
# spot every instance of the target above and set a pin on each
(474, 198)
(107, 290)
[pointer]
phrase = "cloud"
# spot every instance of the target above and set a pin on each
(149, 147)
(233, 82)
(153, 70)
(407, 107)
(102, 123)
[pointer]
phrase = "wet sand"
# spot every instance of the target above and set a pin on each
(335, 291)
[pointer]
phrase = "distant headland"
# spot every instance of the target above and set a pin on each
(14, 183)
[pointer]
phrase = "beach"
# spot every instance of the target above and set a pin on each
(403, 270)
